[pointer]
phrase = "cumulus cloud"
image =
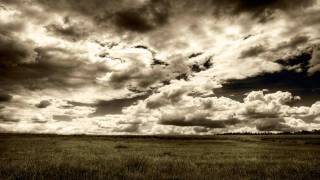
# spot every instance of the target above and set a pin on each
(264, 112)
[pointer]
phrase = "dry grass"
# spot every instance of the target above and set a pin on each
(222, 157)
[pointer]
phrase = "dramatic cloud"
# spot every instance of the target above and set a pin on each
(159, 66)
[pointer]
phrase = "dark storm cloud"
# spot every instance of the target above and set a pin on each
(143, 16)
(301, 60)
(253, 51)
(259, 7)
(52, 68)
(43, 104)
(127, 15)
(4, 97)
(14, 51)
(262, 10)
(149, 16)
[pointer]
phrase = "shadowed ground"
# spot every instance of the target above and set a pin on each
(167, 157)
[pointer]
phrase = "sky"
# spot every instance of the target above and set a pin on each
(159, 66)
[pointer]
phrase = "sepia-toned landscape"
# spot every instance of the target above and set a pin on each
(159, 89)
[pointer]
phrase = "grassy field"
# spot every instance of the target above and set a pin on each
(215, 157)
